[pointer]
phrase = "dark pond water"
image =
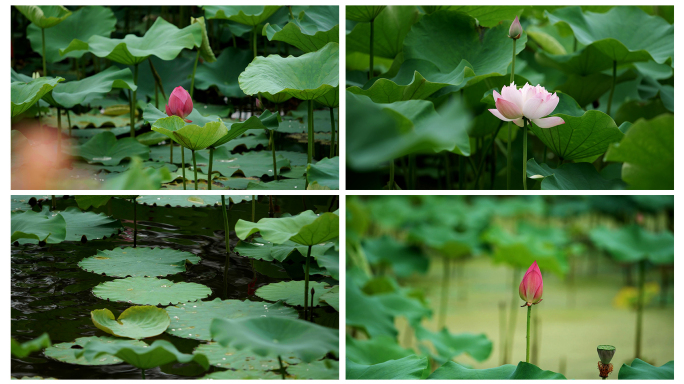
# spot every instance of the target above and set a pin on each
(50, 293)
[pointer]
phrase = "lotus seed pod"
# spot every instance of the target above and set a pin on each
(606, 353)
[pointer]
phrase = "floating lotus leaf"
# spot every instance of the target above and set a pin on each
(66, 352)
(242, 375)
(307, 228)
(306, 77)
(291, 292)
(279, 336)
(192, 320)
(261, 249)
(641, 370)
(364, 13)
(83, 23)
(163, 40)
(231, 358)
(22, 350)
(624, 34)
(647, 151)
(205, 49)
(325, 173)
(135, 322)
(137, 177)
(89, 224)
(326, 369)
(188, 201)
(250, 164)
(332, 297)
(144, 357)
(105, 149)
(310, 31)
(24, 95)
(570, 176)
(36, 226)
(407, 368)
(44, 16)
(374, 351)
(138, 262)
(150, 291)
(449, 345)
(632, 243)
(190, 136)
(244, 14)
(33, 378)
(224, 72)
(524, 371)
(72, 93)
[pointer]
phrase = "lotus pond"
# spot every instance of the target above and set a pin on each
(510, 97)
(104, 288)
(435, 286)
(223, 97)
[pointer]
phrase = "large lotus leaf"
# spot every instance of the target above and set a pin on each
(403, 259)
(446, 240)
(325, 173)
(205, 49)
(266, 120)
(364, 13)
(242, 375)
(292, 292)
(36, 226)
(144, 357)
(24, 95)
(624, 34)
(268, 336)
(408, 368)
(190, 136)
(486, 15)
(44, 16)
(307, 228)
(586, 89)
(374, 351)
(641, 370)
(449, 345)
(251, 15)
(105, 149)
(231, 358)
(193, 320)
(368, 313)
(66, 352)
(163, 40)
(310, 31)
(525, 371)
(72, 93)
(182, 200)
(261, 249)
(136, 322)
(632, 243)
(223, 73)
(92, 225)
(250, 164)
(570, 176)
(21, 350)
(330, 99)
(332, 297)
(150, 291)
(389, 30)
(83, 23)
(330, 260)
(305, 77)
(326, 369)
(137, 177)
(151, 114)
(647, 151)
(138, 262)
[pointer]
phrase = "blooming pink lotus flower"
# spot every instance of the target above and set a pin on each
(180, 104)
(516, 29)
(532, 103)
(532, 286)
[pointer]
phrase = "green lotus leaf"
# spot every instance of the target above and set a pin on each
(92, 225)
(364, 13)
(38, 226)
(22, 350)
(280, 336)
(33, 378)
(151, 114)
(310, 31)
(138, 262)
(291, 292)
(326, 369)
(374, 351)
(83, 23)
(72, 93)
(408, 368)
(326, 173)
(330, 260)
(134, 323)
(231, 358)
(190, 136)
(330, 99)
(105, 149)
(306, 77)
(404, 259)
(250, 164)
(632, 243)
(283, 97)
(641, 370)
(137, 177)
(486, 15)
(267, 120)
(163, 40)
(242, 375)
(193, 320)
(184, 201)
(24, 95)
(261, 249)
(251, 15)
(647, 151)
(144, 357)
(95, 201)
(150, 291)
(569, 176)
(389, 30)
(332, 297)
(44, 16)
(205, 49)
(525, 371)
(368, 313)
(449, 345)
(307, 228)
(624, 34)
(66, 352)
(224, 72)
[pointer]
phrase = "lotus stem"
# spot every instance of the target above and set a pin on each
(445, 293)
(527, 352)
(509, 153)
(332, 133)
(612, 88)
(59, 131)
(640, 308)
(391, 175)
(482, 163)
(313, 291)
(135, 228)
(194, 168)
(42, 30)
(290, 9)
(156, 94)
(211, 163)
(275, 168)
(226, 236)
(310, 149)
(253, 208)
(306, 282)
(157, 79)
(194, 69)
(524, 132)
(447, 170)
(182, 163)
(280, 360)
(370, 65)
(53, 203)
(134, 100)
(461, 172)
(412, 170)
(502, 332)
(69, 121)
(254, 40)
(143, 374)
(171, 151)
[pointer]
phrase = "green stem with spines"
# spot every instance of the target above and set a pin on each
(194, 168)
(226, 236)
(254, 42)
(42, 30)
(211, 164)
(182, 164)
(310, 148)
(192, 79)
(280, 360)
(527, 353)
(275, 168)
(391, 175)
(135, 222)
(509, 151)
(59, 131)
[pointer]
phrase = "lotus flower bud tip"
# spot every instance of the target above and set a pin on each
(180, 104)
(516, 29)
(531, 286)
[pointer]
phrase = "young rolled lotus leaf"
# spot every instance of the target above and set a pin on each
(523, 371)
(66, 352)
(44, 16)
(104, 148)
(24, 95)
(231, 358)
(136, 322)
(641, 370)
(291, 292)
(24, 349)
(149, 262)
(278, 336)
(38, 227)
(309, 31)
(150, 291)
(251, 15)
(407, 368)
(307, 228)
(326, 369)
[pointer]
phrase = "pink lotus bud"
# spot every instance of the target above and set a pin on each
(258, 103)
(180, 104)
(516, 29)
(532, 103)
(532, 286)
(640, 218)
